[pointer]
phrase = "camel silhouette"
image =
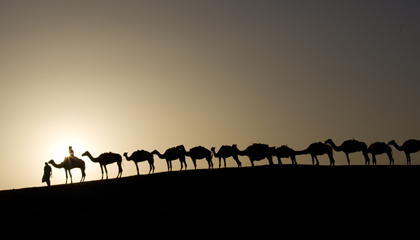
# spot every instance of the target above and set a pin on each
(409, 146)
(351, 146)
(199, 152)
(377, 148)
(173, 154)
(226, 151)
(285, 152)
(70, 163)
(257, 152)
(141, 156)
(316, 149)
(105, 159)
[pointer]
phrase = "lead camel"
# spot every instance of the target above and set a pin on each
(70, 163)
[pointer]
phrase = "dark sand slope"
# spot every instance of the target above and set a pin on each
(341, 202)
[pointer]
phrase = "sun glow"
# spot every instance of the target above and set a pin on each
(60, 148)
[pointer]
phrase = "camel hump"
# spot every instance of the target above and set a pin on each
(139, 153)
(260, 146)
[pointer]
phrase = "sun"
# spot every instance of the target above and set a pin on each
(60, 148)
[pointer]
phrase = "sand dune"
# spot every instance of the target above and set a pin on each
(286, 201)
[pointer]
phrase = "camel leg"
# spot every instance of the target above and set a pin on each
(293, 158)
(102, 171)
(348, 159)
(65, 170)
(252, 162)
(137, 167)
(120, 170)
(71, 178)
(106, 171)
(270, 160)
(153, 167)
(182, 161)
(408, 157)
(391, 159)
(332, 161)
(150, 167)
(366, 156)
(237, 160)
(316, 159)
(279, 160)
(373, 159)
(194, 162)
(210, 162)
(224, 161)
(83, 176)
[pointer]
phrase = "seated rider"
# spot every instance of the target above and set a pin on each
(71, 152)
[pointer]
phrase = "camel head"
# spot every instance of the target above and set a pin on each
(329, 141)
(392, 142)
(85, 153)
(51, 161)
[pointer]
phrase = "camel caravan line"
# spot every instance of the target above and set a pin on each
(255, 152)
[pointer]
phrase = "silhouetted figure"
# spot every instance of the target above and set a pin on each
(47, 174)
(316, 149)
(285, 152)
(409, 146)
(225, 152)
(70, 163)
(351, 146)
(377, 148)
(141, 156)
(105, 159)
(71, 152)
(257, 152)
(199, 152)
(173, 154)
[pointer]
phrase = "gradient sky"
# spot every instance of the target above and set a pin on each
(126, 75)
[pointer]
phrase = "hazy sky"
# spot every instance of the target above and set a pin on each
(126, 75)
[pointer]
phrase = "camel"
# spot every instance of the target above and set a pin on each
(199, 152)
(173, 154)
(141, 156)
(351, 146)
(285, 152)
(377, 148)
(226, 151)
(316, 149)
(105, 159)
(70, 163)
(257, 152)
(409, 146)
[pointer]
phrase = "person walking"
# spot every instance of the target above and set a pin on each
(47, 174)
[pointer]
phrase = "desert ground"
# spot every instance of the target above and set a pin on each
(278, 201)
